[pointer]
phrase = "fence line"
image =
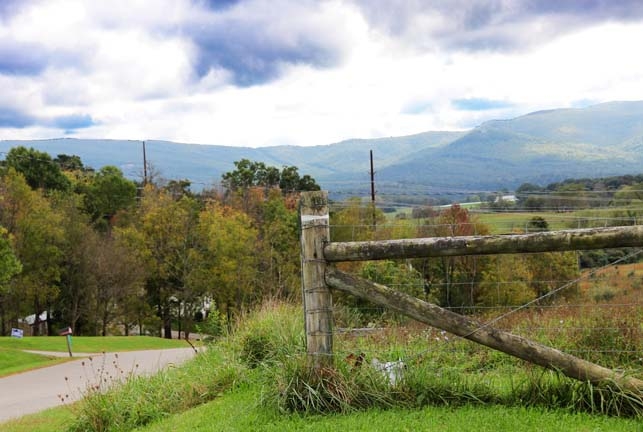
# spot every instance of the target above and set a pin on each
(454, 323)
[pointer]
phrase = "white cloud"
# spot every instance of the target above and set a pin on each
(131, 66)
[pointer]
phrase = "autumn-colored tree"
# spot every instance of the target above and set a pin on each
(453, 280)
(35, 228)
(228, 258)
(81, 244)
(506, 281)
(355, 221)
(279, 260)
(10, 266)
(163, 239)
(118, 279)
(553, 270)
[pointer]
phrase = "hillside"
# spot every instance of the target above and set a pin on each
(541, 147)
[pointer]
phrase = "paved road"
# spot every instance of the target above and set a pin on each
(37, 390)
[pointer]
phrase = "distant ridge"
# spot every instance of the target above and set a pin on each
(540, 147)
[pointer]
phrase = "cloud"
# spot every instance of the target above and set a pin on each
(496, 25)
(22, 58)
(12, 118)
(73, 121)
(220, 4)
(15, 118)
(255, 40)
(9, 7)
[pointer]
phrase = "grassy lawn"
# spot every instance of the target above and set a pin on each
(54, 419)
(14, 361)
(240, 412)
(90, 344)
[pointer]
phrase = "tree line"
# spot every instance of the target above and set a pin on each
(104, 254)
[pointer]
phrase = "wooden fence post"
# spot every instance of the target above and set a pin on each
(315, 233)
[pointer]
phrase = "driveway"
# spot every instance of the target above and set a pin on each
(37, 390)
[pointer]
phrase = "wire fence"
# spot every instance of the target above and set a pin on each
(596, 315)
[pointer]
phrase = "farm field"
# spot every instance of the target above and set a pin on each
(514, 221)
(510, 222)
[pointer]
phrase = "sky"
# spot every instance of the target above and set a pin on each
(303, 72)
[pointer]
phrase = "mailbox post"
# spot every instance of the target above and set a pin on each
(67, 332)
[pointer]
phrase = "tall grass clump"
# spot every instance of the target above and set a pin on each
(260, 338)
(143, 399)
(268, 335)
(298, 387)
(554, 391)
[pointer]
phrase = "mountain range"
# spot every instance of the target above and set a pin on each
(540, 147)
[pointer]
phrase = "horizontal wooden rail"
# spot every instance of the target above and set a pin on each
(551, 241)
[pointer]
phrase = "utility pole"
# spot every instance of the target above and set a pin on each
(144, 166)
(372, 190)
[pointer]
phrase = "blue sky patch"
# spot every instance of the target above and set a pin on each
(480, 104)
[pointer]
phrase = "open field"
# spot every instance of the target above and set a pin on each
(510, 222)
(513, 221)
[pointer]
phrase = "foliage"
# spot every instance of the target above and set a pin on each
(9, 263)
(38, 169)
(214, 325)
(35, 228)
(355, 221)
(454, 281)
(226, 262)
(249, 174)
(401, 277)
(107, 194)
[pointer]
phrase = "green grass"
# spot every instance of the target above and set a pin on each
(54, 419)
(257, 379)
(90, 344)
(240, 411)
(14, 361)
(504, 223)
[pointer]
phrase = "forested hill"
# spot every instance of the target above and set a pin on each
(542, 147)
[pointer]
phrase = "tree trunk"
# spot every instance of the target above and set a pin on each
(508, 343)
